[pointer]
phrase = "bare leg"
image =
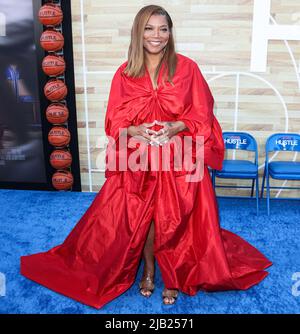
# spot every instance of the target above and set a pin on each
(148, 250)
(147, 282)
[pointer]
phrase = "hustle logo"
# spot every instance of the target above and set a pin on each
(2, 24)
(54, 87)
(287, 142)
(49, 38)
(235, 141)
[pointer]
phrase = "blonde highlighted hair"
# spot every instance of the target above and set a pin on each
(136, 60)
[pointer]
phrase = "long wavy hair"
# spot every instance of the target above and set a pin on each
(136, 57)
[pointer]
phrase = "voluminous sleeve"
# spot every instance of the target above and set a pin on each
(199, 118)
(116, 112)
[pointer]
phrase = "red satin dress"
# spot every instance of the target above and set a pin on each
(99, 259)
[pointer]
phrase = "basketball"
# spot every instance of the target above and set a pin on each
(60, 159)
(53, 65)
(52, 40)
(50, 15)
(62, 180)
(55, 90)
(57, 113)
(59, 136)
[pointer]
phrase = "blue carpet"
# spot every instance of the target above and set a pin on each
(35, 221)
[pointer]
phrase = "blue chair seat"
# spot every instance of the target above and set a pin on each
(237, 168)
(286, 170)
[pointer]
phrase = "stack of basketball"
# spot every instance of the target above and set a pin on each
(55, 90)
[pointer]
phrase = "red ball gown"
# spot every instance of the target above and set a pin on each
(99, 259)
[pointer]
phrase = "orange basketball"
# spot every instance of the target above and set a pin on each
(60, 159)
(57, 113)
(55, 90)
(50, 15)
(62, 180)
(53, 65)
(52, 40)
(59, 136)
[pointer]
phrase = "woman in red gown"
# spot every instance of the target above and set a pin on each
(155, 96)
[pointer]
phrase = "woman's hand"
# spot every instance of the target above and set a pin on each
(142, 132)
(160, 137)
(169, 130)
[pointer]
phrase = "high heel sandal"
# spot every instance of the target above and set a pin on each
(168, 294)
(147, 285)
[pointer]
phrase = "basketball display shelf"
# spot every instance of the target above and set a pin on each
(56, 90)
